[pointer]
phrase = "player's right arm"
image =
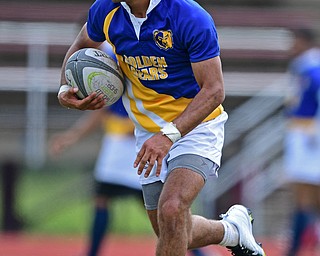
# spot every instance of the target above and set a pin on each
(88, 123)
(68, 98)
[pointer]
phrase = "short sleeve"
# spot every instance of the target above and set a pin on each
(200, 37)
(95, 22)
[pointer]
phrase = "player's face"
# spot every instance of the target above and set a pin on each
(299, 45)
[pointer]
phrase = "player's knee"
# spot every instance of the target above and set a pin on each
(170, 210)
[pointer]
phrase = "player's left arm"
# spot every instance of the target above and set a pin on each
(208, 74)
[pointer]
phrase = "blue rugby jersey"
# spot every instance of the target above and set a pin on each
(306, 71)
(156, 59)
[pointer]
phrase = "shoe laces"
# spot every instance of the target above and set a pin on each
(224, 215)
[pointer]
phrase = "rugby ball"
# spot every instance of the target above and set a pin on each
(92, 70)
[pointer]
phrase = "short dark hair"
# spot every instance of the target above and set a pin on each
(307, 34)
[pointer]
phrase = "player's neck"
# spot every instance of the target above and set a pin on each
(139, 7)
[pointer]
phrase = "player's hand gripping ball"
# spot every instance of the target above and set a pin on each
(92, 70)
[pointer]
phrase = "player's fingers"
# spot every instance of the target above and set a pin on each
(142, 165)
(99, 99)
(151, 163)
(159, 166)
(92, 102)
(96, 105)
(87, 100)
(138, 158)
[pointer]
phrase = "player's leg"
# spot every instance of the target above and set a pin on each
(104, 193)
(304, 214)
(100, 224)
(176, 225)
(301, 162)
(182, 186)
(193, 252)
(187, 175)
(233, 231)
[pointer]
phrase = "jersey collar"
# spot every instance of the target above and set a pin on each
(152, 5)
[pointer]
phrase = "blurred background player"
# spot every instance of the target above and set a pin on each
(114, 173)
(10, 173)
(302, 142)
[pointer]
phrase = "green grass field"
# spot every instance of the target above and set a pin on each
(60, 202)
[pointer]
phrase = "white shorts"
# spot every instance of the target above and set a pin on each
(302, 157)
(115, 161)
(205, 140)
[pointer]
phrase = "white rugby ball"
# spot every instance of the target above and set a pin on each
(92, 70)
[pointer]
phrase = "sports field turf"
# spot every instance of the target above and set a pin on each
(56, 207)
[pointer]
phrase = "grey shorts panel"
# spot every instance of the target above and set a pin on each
(196, 163)
(151, 194)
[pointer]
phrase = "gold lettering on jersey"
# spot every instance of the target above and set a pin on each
(146, 60)
(131, 61)
(147, 68)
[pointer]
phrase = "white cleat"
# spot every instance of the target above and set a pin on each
(240, 216)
